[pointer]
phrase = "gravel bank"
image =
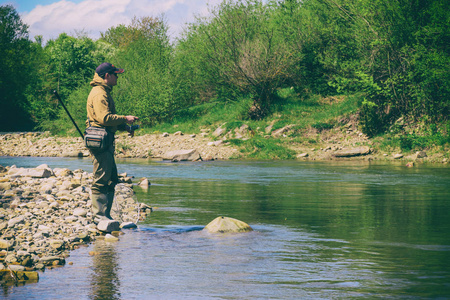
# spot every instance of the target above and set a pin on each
(145, 146)
(45, 213)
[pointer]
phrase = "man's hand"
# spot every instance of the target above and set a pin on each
(131, 129)
(131, 119)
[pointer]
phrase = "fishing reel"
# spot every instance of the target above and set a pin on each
(131, 129)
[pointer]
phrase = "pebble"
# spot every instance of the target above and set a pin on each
(45, 216)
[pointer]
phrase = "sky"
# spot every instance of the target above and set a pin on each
(50, 18)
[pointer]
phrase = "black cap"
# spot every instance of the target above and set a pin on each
(107, 68)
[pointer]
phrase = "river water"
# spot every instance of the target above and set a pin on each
(322, 230)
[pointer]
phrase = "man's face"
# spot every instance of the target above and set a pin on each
(111, 79)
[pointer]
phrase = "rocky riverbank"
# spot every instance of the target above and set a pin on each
(337, 144)
(146, 146)
(45, 213)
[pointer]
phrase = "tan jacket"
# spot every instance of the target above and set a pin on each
(101, 111)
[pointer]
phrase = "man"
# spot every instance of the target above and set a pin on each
(101, 112)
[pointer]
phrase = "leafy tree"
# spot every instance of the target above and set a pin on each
(16, 69)
(71, 62)
(240, 52)
(144, 52)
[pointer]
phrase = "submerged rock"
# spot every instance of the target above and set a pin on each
(227, 225)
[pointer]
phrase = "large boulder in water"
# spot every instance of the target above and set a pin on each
(225, 225)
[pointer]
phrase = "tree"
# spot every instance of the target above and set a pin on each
(16, 69)
(144, 51)
(247, 53)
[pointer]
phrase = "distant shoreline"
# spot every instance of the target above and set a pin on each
(155, 146)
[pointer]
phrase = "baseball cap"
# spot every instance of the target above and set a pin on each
(108, 68)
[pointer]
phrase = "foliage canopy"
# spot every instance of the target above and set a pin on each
(395, 52)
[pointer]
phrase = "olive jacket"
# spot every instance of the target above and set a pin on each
(101, 110)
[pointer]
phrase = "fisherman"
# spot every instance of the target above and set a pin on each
(101, 112)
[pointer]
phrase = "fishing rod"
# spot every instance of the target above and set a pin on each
(73, 121)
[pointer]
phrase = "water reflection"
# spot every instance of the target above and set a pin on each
(104, 279)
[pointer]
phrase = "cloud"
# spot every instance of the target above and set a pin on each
(95, 16)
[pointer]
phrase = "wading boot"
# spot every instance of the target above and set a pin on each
(110, 197)
(99, 206)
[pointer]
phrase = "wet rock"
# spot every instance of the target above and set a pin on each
(108, 225)
(144, 183)
(19, 276)
(50, 260)
(227, 225)
(110, 238)
(16, 268)
(128, 225)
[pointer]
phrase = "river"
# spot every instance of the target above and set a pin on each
(322, 230)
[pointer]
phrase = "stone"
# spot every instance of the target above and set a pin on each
(227, 225)
(302, 155)
(281, 131)
(110, 238)
(421, 154)
(49, 260)
(4, 186)
(59, 172)
(3, 225)
(6, 244)
(57, 244)
(16, 268)
(19, 276)
(144, 183)
(34, 173)
(358, 151)
(215, 143)
(182, 155)
(128, 225)
(16, 220)
(108, 225)
(219, 131)
(397, 156)
(79, 211)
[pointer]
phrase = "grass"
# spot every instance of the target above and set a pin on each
(304, 112)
